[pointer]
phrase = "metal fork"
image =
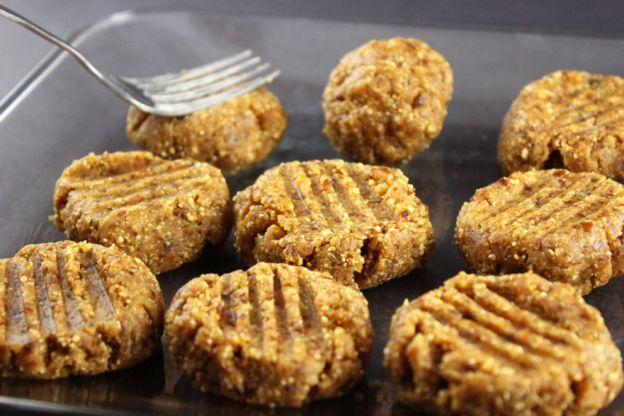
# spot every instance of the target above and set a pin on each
(173, 94)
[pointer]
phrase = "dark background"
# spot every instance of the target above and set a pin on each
(20, 51)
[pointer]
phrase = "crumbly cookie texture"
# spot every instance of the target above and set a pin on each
(76, 308)
(565, 226)
(231, 136)
(570, 119)
(163, 212)
(503, 345)
(363, 224)
(386, 101)
(275, 334)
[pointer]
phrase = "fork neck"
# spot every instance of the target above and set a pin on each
(50, 37)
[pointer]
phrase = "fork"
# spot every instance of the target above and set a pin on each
(173, 94)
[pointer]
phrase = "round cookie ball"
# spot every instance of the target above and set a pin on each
(232, 135)
(363, 224)
(275, 334)
(163, 212)
(503, 345)
(565, 226)
(570, 119)
(76, 309)
(386, 101)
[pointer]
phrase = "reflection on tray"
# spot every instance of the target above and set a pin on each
(369, 397)
(143, 381)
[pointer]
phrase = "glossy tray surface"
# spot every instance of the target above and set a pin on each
(66, 115)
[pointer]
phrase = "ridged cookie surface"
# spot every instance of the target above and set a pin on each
(273, 335)
(76, 308)
(163, 212)
(565, 226)
(363, 224)
(503, 345)
(570, 119)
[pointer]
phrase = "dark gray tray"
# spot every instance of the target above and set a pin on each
(65, 114)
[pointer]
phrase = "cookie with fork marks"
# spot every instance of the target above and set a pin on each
(76, 309)
(515, 344)
(565, 226)
(363, 224)
(274, 334)
(163, 212)
(570, 119)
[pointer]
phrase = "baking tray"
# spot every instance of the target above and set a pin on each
(60, 113)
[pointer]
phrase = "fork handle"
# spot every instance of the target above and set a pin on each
(50, 37)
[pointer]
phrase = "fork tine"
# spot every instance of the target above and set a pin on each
(203, 91)
(186, 107)
(166, 79)
(204, 79)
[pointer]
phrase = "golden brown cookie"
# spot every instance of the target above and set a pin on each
(275, 334)
(565, 226)
(503, 345)
(363, 224)
(76, 308)
(163, 212)
(570, 119)
(231, 136)
(386, 101)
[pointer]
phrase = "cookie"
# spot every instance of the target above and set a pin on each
(386, 101)
(163, 212)
(231, 136)
(565, 226)
(363, 224)
(275, 334)
(570, 119)
(76, 308)
(503, 345)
